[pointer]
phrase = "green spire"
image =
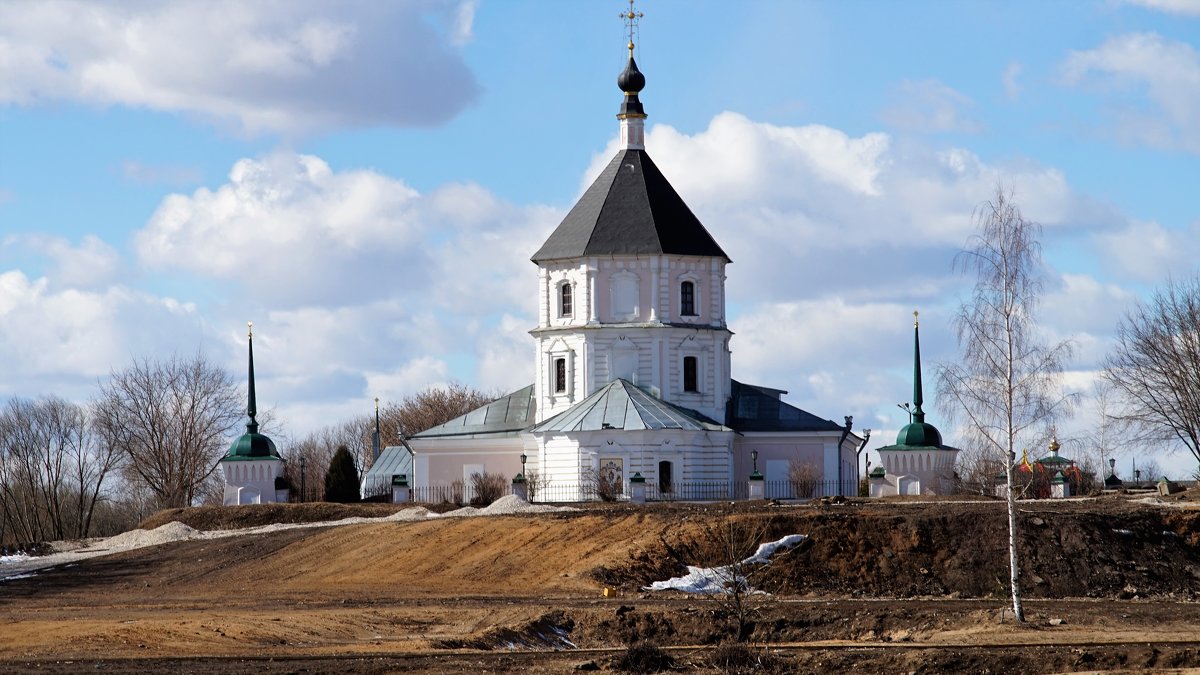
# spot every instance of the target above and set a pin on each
(251, 406)
(918, 397)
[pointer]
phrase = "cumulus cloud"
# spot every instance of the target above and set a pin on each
(298, 234)
(813, 211)
(1165, 71)
(61, 341)
(1181, 7)
(291, 67)
(929, 107)
(91, 264)
(1147, 251)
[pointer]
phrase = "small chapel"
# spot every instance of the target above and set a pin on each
(252, 466)
(918, 463)
(631, 370)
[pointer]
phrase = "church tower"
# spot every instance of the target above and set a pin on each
(631, 285)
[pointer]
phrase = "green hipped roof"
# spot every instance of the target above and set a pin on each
(251, 445)
(918, 434)
(622, 405)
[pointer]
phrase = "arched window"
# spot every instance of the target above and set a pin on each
(560, 376)
(564, 299)
(687, 299)
(690, 380)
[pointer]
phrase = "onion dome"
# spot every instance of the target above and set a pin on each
(631, 81)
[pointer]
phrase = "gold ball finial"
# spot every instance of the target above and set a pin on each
(1054, 446)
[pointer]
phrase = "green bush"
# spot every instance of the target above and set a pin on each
(341, 480)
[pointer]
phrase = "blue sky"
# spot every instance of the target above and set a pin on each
(366, 180)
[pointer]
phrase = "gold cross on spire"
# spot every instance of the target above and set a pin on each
(249, 329)
(915, 315)
(631, 18)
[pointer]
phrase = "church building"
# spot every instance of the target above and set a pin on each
(631, 370)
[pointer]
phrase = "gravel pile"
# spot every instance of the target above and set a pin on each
(165, 534)
(511, 505)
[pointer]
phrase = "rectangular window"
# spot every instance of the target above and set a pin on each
(560, 376)
(564, 304)
(689, 374)
(687, 299)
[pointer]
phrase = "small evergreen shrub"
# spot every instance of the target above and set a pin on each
(341, 480)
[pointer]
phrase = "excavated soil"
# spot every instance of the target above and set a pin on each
(878, 587)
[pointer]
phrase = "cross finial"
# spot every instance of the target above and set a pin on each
(631, 18)
(916, 322)
(376, 404)
(249, 329)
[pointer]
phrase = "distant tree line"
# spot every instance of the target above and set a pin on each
(152, 438)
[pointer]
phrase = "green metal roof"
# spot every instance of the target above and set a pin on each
(623, 405)
(506, 416)
(251, 445)
(918, 434)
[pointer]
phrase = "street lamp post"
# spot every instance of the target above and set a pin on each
(754, 458)
(1112, 466)
(523, 458)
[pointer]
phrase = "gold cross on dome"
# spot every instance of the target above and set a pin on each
(631, 18)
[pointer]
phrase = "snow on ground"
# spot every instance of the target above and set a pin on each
(22, 566)
(714, 580)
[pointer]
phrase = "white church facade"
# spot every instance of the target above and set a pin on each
(632, 367)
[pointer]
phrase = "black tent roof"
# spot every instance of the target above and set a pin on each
(630, 209)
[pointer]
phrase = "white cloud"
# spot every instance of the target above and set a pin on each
(61, 341)
(1167, 71)
(929, 107)
(93, 263)
(1181, 7)
(292, 66)
(1147, 251)
(1012, 88)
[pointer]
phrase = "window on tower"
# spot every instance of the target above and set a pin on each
(687, 299)
(560, 376)
(689, 374)
(564, 299)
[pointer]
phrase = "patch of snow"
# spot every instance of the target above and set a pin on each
(11, 559)
(1124, 533)
(19, 576)
(715, 580)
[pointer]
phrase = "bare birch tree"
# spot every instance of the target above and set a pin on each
(170, 420)
(1154, 369)
(1005, 389)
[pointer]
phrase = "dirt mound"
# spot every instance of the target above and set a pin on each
(952, 549)
(549, 631)
(255, 515)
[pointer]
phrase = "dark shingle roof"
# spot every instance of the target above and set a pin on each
(623, 405)
(504, 416)
(754, 408)
(630, 209)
